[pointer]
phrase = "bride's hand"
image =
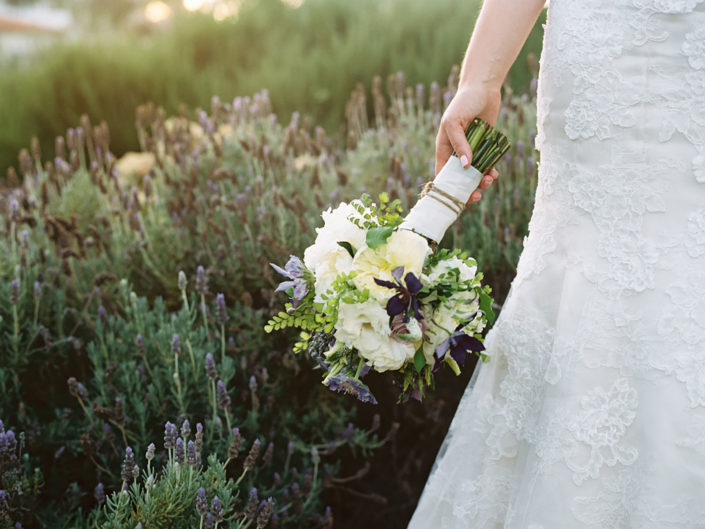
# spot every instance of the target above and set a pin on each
(468, 103)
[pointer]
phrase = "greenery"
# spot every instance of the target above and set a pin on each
(309, 58)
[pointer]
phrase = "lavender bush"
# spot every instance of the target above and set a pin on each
(134, 292)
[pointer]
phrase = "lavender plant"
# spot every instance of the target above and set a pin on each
(236, 388)
(94, 364)
(20, 483)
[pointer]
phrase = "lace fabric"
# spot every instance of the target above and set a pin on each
(591, 411)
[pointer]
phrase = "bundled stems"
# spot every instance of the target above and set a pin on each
(488, 145)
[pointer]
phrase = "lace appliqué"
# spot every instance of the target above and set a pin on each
(694, 48)
(668, 6)
(699, 167)
(526, 345)
(600, 426)
(480, 500)
(695, 238)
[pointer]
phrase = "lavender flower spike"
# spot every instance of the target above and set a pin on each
(350, 386)
(201, 502)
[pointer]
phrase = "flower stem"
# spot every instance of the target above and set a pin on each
(359, 368)
(222, 343)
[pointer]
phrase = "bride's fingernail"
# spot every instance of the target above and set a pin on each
(464, 160)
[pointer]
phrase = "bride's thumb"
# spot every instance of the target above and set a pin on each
(456, 136)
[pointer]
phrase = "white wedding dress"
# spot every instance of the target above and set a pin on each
(591, 411)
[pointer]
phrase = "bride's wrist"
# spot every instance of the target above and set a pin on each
(489, 87)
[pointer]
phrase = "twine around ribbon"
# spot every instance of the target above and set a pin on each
(442, 197)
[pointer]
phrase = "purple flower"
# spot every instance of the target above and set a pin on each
(199, 437)
(210, 367)
(265, 513)
(295, 271)
(350, 386)
(10, 442)
(251, 458)
(405, 299)
(129, 468)
(251, 507)
(169, 435)
(223, 397)
(14, 291)
(191, 453)
(201, 280)
(235, 444)
(217, 509)
(459, 344)
(201, 502)
(150, 452)
(221, 309)
(176, 344)
(180, 452)
(99, 493)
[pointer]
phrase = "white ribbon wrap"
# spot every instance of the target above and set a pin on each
(433, 214)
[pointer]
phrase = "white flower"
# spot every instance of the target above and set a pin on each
(403, 248)
(325, 257)
(440, 326)
(365, 326)
(415, 333)
(446, 319)
(694, 47)
(467, 273)
(335, 261)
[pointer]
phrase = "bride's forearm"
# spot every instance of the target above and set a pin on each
(501, 29)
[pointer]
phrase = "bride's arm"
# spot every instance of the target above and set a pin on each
(501, 29)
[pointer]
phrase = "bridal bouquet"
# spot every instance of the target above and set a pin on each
(371, 292)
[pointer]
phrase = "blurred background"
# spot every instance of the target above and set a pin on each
(62, 58)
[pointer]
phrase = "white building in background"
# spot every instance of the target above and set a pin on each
(23, 28)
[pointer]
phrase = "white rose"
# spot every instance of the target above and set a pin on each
(365, 326)
(403, 248)
(446, 318)
(325, 257)
(336, 261)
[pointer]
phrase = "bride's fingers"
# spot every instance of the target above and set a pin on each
(486, 182)
(493, 173)
(474, 197)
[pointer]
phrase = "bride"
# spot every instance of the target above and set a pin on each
(591, 411)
